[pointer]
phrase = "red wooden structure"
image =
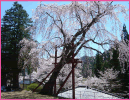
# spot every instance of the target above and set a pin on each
(74, 63)
(55, 67)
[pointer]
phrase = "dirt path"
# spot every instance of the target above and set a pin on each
(24, 95)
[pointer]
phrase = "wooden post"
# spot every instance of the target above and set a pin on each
(55, 67)
(73, 76)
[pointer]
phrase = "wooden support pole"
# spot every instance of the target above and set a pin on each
(43, 80)
(73, 76)
(55, 67)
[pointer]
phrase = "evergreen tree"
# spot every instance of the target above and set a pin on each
(99, 63)
(125, 35)
(106, 61)
(124, 77)
(13, 30)
(115, 61)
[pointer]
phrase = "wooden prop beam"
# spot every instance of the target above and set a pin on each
(43, 80)
(65, 81)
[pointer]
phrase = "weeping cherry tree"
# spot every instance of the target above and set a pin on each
(81, 23)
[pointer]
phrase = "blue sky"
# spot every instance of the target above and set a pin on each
(29, 5)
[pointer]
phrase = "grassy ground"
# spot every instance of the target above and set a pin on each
(25, 95)
(25, 86)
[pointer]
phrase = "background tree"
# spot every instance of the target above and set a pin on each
(105, 82)
(110, 76)
(12, 31)
(106, 60)
(26, 60)
(115, 61)
(124, 35)
(81, 23)
(99, 64)
(87, 66)
(124, 73)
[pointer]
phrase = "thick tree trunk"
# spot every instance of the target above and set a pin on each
(15, 72)
(15, 80)
(3, 79)
(48, 87)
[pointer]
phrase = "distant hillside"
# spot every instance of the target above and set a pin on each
(86, 59)
(88, 65)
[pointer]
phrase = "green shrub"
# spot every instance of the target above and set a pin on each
(33, 86)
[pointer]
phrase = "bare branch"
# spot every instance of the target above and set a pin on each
(81, 46)
(92, 49)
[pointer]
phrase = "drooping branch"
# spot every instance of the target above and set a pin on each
(84, 30)
(60, 28)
